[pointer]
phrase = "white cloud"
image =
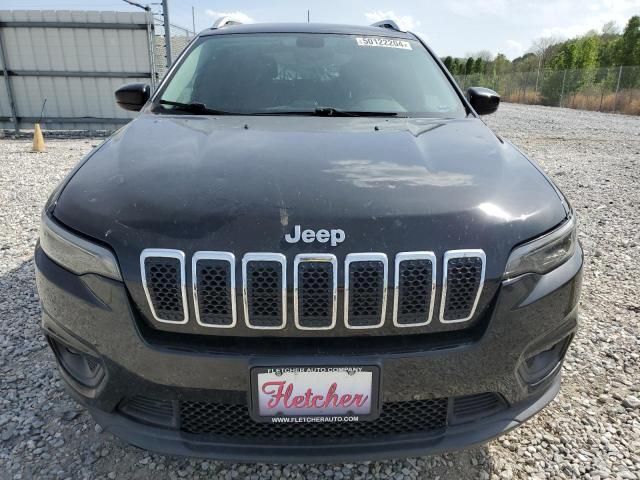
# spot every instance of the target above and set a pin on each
(563, 18)
(405, 22)
(560, 18)
(239, 16)
(478, 8)
(514, 49)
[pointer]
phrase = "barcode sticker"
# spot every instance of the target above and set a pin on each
(383, 42)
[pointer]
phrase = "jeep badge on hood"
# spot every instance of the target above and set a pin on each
(336, 236)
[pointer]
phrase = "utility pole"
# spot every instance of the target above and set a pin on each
(193, 19)
(538, 75)
(615, 100)
(308, 16)
(564, 77)
(167, 31)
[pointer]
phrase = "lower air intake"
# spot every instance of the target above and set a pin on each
(234, 421)
(149, 410)
(473, 407)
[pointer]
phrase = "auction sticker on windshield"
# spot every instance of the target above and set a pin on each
(383, 42)
(315, 393)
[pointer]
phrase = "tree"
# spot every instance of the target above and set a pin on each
(448, 62)
(580, 52)
(485, 55)
(501, 64)
(526, 63)
(468, 67)
(478, 65)
(455, 67)
(628, 51)
(544, 48)
(610, 29)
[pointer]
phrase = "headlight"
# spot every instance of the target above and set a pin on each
(545, 253)
(75, 253)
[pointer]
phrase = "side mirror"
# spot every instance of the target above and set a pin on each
(133, 96)
(483, 100)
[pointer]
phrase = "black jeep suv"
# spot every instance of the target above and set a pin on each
(308, 247)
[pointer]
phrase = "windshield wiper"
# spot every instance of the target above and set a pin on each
(195, 107)
(199, 108)
(336, 112)
(331, 112)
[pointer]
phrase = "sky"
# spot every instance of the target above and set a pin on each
(450, 27)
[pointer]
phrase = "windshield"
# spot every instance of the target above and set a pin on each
(290, 73)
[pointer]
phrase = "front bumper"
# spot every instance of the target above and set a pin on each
(531, 316)
(455, 438)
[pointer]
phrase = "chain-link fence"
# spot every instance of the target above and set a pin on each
(613, 89)
(180, 38)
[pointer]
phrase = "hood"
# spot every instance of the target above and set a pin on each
(241, 184)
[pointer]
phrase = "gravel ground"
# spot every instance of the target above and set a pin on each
(592, 430)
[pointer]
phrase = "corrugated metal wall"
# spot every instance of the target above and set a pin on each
(74, 59)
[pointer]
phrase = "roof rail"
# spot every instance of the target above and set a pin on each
(225, 22)
(390, 24)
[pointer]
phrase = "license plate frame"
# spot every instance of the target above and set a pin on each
(374, 412)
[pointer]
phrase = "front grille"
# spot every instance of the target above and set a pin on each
(463, 279)
(315, 288)
(163, 281)
(234, 421)
(315, 291)
(415, 288)
(265, 295)
(366, 290)
(214, 289)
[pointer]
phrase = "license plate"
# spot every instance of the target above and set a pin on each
(314, 394)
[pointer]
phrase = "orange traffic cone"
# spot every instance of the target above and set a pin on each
(38, 139)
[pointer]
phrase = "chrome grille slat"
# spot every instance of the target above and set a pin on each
(414, 289)
(163, 281)
(214, 289)
(264, 285)
(365, 290)
(313, 287)
(462, 283)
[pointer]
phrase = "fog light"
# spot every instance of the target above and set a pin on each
(537, 368)
(85, 369)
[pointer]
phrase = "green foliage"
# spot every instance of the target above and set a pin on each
(478, 65)
(500, 64)
(582, 52)
(628, 46)
(448, 62)
(557, 70)
(468, 66)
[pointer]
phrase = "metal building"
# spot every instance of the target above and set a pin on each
(75, 60)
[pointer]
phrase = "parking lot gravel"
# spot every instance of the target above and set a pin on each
(592, 430)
